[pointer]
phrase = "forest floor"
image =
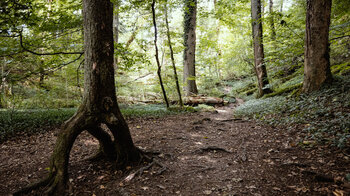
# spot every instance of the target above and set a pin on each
(205, 153)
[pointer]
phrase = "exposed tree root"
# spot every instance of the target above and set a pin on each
(117, 150)
(140, 171)
(32, 187)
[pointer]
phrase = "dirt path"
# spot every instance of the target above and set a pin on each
(207, 153)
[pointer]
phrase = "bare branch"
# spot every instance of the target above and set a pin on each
(43, 54)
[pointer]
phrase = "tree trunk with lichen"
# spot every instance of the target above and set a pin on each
(99, 104)
(260, 68)
(189, 74)
(316, 65)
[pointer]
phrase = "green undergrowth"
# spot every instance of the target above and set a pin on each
(29, 121)
(325, 114)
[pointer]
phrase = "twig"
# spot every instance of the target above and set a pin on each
(43, 54)
(213, 148)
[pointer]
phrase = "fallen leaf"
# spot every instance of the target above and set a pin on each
(145, 188)
(237, 179)
(129, 177)
(338, 192)
(102, 187)
(207, 192)
(99, 178)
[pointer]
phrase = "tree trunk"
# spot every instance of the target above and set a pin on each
(190, 47)
(99, 104)
(272, 22)
(317, 66)
(260, 68)
(218, 48)
(281, 9)
(116, 29)
(172, 56)
(157, 56)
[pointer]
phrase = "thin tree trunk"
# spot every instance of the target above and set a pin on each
(157, 56)
(190, 47)
(2, 93)
(99, 103)
(262, 8)
(317, 66)
(272, 22)
(281, 9)
(260, 67)
(116, 29)
(218, 50)
(172, 56)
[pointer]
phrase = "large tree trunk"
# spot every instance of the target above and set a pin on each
(172, 55)
(99, 104)
(317, 66)
(260, 68)
(190, 47)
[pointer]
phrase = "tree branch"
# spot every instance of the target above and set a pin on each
(43, 54)
(340, 37)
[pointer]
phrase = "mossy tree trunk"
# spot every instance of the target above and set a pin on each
(260, 68)
(99, 104)
(189, 74)
(316, 65)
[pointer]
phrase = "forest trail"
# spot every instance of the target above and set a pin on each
(206, 153)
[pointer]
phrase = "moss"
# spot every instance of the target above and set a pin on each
(249, 91)
(294, 88)
(341, 69)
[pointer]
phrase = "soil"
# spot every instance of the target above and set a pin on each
(206, 153)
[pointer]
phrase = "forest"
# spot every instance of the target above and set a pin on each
(175, 97)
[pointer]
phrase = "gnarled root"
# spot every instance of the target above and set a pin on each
(121, 149)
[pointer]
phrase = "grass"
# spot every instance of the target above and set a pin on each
(29, 121)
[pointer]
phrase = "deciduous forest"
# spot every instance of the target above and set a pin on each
(175, 97)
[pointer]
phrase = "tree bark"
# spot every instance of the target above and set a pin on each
(272, 22)
(157, 55)
(172, 56)
(317, 66)
(281, 8)
(260, 68)
(190, 47)
(116, 29)
(99, 104)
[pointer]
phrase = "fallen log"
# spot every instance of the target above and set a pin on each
(194, 101)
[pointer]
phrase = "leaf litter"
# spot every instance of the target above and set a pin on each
(206, 153)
